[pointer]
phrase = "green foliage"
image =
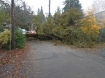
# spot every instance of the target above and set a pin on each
(5, 38)
(73, 36)
(102, 35)
(73, 31)
(73, 17)
(70, 18)
(70, 26)
(20, 39)
(57, 18)
(4, 17)
(67, 27)
(40, 17)
(23, 15)
(89, 27)
(68, 4)
(48, 26)
(58, 31)
(1, 28)
(4, 12)
(69, 35)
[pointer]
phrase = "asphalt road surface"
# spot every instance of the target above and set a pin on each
(50, 61)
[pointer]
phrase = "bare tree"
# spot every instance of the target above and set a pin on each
(99, 5)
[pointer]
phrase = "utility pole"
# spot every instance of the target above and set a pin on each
(12, 26)
(49, 7)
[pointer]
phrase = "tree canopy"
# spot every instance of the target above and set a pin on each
(68, 4)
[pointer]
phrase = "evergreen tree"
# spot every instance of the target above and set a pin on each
(68, 4)
(4, 12)
(38, 12)
(41, 12)
(23, 15)
(58, 10)
(40, 17)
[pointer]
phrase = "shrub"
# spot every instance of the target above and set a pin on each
(90, 29)
(58, 31)
(20, 39)
(72, 35)
(5, 38)
(91, 32)
(102, 35)
(45, 29)
(73, 17)
(48, 26)
(1, 28)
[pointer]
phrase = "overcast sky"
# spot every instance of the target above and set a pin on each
(35, 4)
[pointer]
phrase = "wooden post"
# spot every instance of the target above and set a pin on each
(49, 7)
(12, 25)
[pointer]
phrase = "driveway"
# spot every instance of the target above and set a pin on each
(50, 61)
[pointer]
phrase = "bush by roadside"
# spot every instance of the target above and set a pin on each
(20, 39)
(102, 35)
(5, 39)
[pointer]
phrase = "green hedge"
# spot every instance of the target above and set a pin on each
(20, 39)
(5, 39)
(102, 35)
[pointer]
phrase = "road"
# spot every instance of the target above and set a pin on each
(50, 61)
